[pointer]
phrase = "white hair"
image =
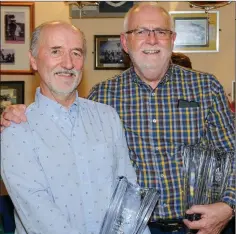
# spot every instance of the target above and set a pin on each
(139, 5)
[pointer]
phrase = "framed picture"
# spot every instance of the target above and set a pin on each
(11, 92)
(17, 24)
(109, 53)
(196, 31)
(99, 9)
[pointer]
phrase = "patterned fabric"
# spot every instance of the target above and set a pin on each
(187, 107)
(61, 166)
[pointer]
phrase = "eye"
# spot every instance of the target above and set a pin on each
(161, 32)
(76, 53)
(56, 52)
(141, 32)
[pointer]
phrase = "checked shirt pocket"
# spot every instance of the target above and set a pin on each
(188, 125)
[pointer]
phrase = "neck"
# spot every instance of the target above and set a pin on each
(65, 100)
(151, 78)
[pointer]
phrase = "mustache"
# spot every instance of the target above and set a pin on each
(72, 72)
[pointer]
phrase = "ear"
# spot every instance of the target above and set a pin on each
(33, 62)
(174, 37)
(123, 41)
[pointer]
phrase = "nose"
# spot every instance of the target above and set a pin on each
(151, 38)
(67, 61)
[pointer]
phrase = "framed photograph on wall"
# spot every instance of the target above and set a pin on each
(196, 31)
(99, 9)
(108, 53)
(17, 24)
(11, 92)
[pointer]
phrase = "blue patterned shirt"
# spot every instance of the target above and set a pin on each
(156, 126)
(60, 167)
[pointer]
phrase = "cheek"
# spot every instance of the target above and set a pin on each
(135, 45)
(166, 44)
(78, 63)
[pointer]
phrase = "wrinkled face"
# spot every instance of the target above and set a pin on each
(60, 59)
(150, 54)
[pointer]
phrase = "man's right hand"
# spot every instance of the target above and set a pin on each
(14, 113)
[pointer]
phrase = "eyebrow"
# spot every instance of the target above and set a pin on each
(59, 47)
(157, 28)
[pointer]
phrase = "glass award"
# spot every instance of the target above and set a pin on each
(206, 171)
(130, 209)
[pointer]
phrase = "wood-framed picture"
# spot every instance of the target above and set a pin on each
(17, 24)
(196, 31)
(11, 92)
(109, 54)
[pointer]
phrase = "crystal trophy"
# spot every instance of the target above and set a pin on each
(130, 209)
(206, 172)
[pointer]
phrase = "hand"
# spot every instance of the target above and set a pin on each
(214, 218)
(14, 113)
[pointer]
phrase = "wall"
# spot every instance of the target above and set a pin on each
(221, 64)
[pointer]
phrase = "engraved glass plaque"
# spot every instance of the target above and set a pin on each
(206, 172)
(130, 209)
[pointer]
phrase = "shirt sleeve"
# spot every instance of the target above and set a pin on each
(27, 185)
(221, 131)
(93, 94)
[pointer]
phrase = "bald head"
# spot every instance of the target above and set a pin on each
(36, 36)
(146, 8)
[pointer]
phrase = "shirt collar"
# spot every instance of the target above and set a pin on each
(52, 107)
(135, 78)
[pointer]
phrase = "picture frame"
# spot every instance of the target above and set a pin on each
(99, 9)
(11, 92)
(109, 54)
(17, 24)
(196, 31)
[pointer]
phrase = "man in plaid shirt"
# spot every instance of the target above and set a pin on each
(164, 106)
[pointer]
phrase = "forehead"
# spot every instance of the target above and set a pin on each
(149, 16)
(61, 35)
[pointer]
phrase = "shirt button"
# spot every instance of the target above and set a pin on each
(164, 205)
(154, 120)
(153, 94)
(162, 176)
(156, 148)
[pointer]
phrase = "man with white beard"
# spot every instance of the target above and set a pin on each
(164, 106)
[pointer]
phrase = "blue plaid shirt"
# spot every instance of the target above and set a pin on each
(156, 125)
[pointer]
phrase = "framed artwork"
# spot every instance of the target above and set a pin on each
(196, 31)
(99, 9)
(11, 92)
(109, 53)
(17, 24)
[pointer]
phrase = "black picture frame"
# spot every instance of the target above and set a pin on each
(11, 92)
(109, 54)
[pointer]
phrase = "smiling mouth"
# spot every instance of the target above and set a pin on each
(65, 74)
(151, 51)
